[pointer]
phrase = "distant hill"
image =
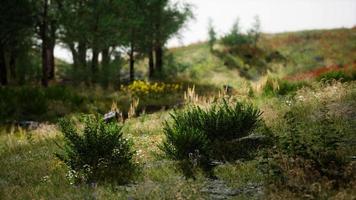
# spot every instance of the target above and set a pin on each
(304, 50)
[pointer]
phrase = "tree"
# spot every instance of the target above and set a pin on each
(235, 37)
(16, 22)
(74, 17)
(168, 20)
(255, 32)
(46, 15)
(91, 26)
(45, 42)
(212, 34)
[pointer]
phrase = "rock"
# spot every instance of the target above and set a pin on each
(217, 189)
(111, 116)
(28, 124)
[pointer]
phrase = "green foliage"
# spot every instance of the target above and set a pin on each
(235, 37)
(212, 134)
(277, 86)
(29, 103)
(321, 144)
(98, 153)
(212, 35)
(255, 32)
(336, 75)
(15, 22)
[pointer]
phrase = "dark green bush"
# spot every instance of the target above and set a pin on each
(281, 87)
(61, 93)
(235, 39)
(210, 134)
(31, 103)
(98, 153)
(335, 75)
(18, 103)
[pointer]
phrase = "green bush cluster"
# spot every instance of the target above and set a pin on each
(30, 103)
(98, 153)
(311, 150)
(275, 86)
(337, 75)
(320, 143)
(199, 137)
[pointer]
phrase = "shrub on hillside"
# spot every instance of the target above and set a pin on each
(321, 143)
(97, 153)
(336, 75)
(235, 37)
(275, 86)
(312, 152)
(206, 135)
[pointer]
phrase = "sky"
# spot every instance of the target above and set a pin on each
(275, 16)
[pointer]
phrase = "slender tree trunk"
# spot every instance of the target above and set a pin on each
(105, 57)
(95, 61)
(74, 55)
(52, 43)
(45, 50)
(12, 65)
(52, 64)
(132, 64)
(82, 54)
(3, 71)
(159, 57)
(150, 63)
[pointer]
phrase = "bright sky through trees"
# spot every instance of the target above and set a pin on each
(275, 16)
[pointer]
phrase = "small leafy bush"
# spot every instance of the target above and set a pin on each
(206, 135)
(97, 153)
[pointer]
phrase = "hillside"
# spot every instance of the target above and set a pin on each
(304, 51)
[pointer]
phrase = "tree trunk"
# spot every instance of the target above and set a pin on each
(132, 64)
(150, 63)
(52, 43)
(74, 55)
(45, 50)
(94, 61)
(12, 65)
(3, 71)
(82, 54)
(52, 63)
(159, 57)
(105, 57)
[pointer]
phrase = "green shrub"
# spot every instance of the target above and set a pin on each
(321, 143)
(335, 75)
(98, 153)
(275, 86)
(17, 103)
(31, 103)
(206, 135)
(60, 93)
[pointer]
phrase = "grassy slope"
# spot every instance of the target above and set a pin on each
(29, 169)
(304, 50)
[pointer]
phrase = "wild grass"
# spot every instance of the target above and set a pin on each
(30, 170)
